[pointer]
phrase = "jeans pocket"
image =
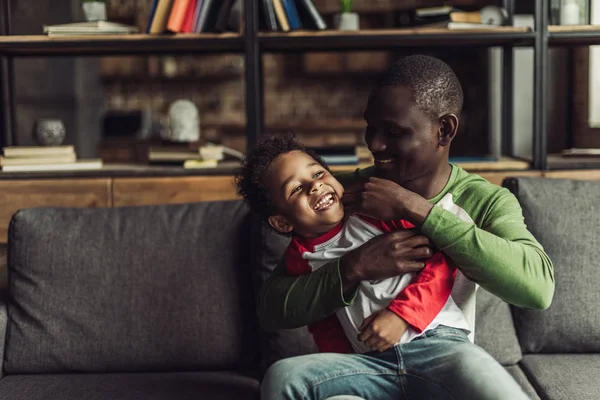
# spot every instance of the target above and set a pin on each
(443, 331)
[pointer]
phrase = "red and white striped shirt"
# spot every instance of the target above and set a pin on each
(423, 300)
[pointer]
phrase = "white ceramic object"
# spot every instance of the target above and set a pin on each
(94, 10)
(570, 13)
(184, 122)
(346, 22)
(50, 132)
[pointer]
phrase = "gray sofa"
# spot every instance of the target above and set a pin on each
(157, 302)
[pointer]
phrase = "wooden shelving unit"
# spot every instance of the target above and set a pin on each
(254, 44)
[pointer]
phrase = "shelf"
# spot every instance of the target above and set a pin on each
(119, 44)
(381, 39)
(576, 35)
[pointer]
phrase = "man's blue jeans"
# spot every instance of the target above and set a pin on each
(443, 364)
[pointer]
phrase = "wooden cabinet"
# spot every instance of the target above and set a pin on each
(18, 194)
(143, 191)
(118, 192)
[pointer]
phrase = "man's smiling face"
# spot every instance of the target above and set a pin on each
(404, 140)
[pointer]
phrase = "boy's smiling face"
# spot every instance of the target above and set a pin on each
(306, 195)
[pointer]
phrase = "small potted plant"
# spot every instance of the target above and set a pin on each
(94, 10)
(347, 20)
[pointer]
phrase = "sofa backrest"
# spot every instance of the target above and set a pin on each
(130, 289)
(564, 215)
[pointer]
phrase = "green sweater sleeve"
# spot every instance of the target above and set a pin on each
(286, 302)
(501, 255)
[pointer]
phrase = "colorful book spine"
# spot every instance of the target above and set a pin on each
(161, 16)
(292, 14)
(188, 22)
(151, 16)
(177, 16)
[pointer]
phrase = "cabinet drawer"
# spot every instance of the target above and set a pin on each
(16, 195)
(145, 191)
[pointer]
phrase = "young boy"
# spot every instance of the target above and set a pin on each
(295, 193)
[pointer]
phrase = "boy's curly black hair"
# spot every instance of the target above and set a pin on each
(250, 180)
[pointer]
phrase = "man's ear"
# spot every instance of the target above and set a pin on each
(448, 129)
(280, 224)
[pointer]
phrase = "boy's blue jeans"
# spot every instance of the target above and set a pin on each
(441, 365)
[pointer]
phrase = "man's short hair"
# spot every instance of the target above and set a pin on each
(435, 86)
(250, 181)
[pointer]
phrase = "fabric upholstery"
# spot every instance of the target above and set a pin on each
(268, 247)
(494, 329)
(131, 386)
(564, 216)
(130, 289)
(3, 323)
(517, 373)
(564, 376)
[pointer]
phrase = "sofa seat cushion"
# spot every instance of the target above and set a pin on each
(147, 386)
(564, 376)
(517, 373)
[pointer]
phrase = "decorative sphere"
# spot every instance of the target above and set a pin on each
(50, 132)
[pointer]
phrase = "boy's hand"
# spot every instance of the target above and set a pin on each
(386, 200)
(382, 330)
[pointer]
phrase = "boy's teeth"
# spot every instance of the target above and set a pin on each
(327, 200)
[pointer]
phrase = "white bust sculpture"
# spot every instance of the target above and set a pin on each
(184, 122)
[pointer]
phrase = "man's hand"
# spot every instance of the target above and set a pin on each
(386, 200)
(382, 330)
(385, 256)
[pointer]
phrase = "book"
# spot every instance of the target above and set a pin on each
(151, 15)
(80, 165)
(223, 15)
(177, 15)
(579, 152)
(38, 151)
(309, 14)
(58, 159)
(188, 22)
(281, 17)
(199, 5)
(207, 6)
(89, 28)
(292, 14)
(161, 16)
(269, 15)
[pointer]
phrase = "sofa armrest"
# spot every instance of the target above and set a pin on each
(3, 324)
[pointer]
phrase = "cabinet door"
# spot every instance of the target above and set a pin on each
(19, 194)
(144, 191)
(586, 174)
(498, 177)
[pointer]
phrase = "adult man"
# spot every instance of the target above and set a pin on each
(412, 118)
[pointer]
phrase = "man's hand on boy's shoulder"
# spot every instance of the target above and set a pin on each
(386, 200)
(382, 330)
(385, 256)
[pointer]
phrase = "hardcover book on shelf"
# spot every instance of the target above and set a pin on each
(89, 28)
(161, 16)
(222, 15)
(281, 15)
(38, 151)
(80, 165)
(268, 14)
(177, 15)
(309, 15)
(292, 14)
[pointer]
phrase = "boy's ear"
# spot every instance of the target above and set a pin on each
(448, 129)
(280, 224)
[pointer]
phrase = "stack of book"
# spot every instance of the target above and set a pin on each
(44, 158)
(211, 156)
(89, 28)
